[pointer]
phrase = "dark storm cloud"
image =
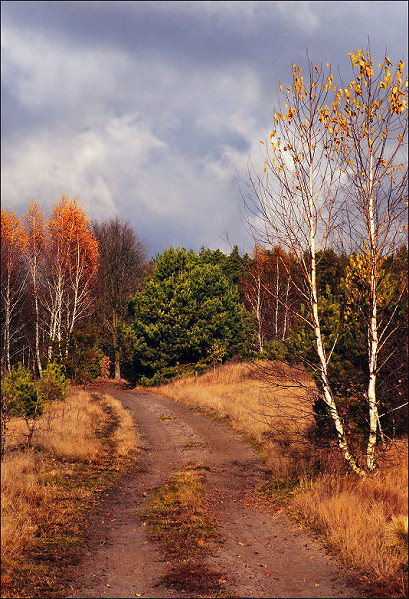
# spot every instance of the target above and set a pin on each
(197, 32)
(150, 110)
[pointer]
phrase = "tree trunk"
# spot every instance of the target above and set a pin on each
(117, 375)
(328, 397)
(277, 290)
(7, 319)
(372, 332)
(37, 329)
(259, 315)
(286, 308)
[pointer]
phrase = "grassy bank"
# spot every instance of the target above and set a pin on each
(364, 522)
(79, 447)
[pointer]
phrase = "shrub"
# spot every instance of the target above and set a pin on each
(19, 397)
(22, 396)
(20, 393)
(83, 361)
(275, 350)
(52, 384)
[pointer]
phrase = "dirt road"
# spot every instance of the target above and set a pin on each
(260, 553)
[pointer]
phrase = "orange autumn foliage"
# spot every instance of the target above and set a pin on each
(72, 259)
(71, 237)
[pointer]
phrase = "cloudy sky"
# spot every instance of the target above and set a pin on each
(151, 110)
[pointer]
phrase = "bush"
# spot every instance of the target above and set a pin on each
(83, 361)
(275, 350)
(52, 384)
(22, 396)
(19, 393)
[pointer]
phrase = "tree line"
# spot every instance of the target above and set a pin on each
(84, 294)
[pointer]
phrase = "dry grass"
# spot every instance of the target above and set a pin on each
(275, 413)
(363, 521)
(78, 447)
(123, 437)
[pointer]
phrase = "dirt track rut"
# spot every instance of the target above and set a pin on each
(260, 553)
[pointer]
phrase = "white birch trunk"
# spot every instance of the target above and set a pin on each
(7, 321)
(372, 332)
(277, 300)
(328, 398)
(285, 324)
(258, 315)
(37, 313)
(116, 347)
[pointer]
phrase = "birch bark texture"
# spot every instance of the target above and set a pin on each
(71, 263)
(13, 282)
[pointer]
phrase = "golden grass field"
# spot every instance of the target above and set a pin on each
(78, 447)
(364, 522)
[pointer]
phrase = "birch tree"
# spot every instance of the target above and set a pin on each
(72, 261)
(368, 122)
(266, 288)
(254, 296)
(35, 230)
(294, 202)
(13, 280)
(341, 148)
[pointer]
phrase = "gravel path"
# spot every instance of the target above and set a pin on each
(260, 552)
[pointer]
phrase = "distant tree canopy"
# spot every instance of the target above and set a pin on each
(187, 312)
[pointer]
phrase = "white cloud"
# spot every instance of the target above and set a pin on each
(135, 160)
(58, 77)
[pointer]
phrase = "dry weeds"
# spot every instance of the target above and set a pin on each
(363, 520)
(178, 519)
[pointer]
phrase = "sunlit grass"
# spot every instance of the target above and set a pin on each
(46, 489)
(178, 519)
(364, 521)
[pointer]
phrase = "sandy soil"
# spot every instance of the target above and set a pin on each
(260, 553)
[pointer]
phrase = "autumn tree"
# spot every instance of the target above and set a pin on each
(71, 263)
(368, 122)
(122, 260)
(294, 202)
(13, 281)
(332, 135)
(255, 297)
(34, 254)
(266, 285)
